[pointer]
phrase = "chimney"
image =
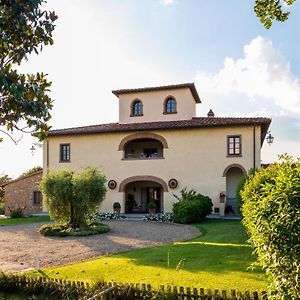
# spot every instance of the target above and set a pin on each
(210, 114)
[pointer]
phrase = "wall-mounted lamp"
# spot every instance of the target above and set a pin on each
(32, 148)
(270, 138)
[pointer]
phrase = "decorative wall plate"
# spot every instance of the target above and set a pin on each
(173, 183)
(112, 184)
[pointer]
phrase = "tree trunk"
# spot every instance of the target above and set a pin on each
(73, 222)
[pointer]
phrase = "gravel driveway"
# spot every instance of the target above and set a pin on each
(19, 244)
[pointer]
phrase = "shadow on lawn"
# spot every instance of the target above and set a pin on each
(208, 257)
(221, 248)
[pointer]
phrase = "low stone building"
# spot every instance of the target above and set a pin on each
(24, 193)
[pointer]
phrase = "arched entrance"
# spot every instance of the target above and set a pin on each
(233, 174)
(140, 190)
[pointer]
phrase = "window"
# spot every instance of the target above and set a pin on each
(170, 106)
(137, 108)
(37, 197)
(64, 155)
(234, 146)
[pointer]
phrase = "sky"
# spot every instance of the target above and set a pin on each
(239, 67)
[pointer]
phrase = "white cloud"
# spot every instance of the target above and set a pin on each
(168, 2)
(258, 84)
(263, 76)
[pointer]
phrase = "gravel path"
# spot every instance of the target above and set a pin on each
(19, 244)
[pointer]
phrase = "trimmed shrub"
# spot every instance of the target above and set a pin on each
(116, 205)
(192, 207)
(65, 230)
(271, 211)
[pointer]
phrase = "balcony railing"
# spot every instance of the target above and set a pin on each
(142, 156)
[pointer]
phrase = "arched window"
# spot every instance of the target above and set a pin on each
(137, 108)
(170, 106)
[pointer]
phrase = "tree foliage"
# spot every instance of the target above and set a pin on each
(72, 198)
(241, 184)
(24, 100)
(269, 11)
(271, 210)
(32, 170)
(3, 179)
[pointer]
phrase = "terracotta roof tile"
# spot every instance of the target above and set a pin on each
(191, 86)
(197, 122)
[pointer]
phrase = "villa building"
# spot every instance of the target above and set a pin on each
(159, 147)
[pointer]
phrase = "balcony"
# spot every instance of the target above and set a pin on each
(143, 149)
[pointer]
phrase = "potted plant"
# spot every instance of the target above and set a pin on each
(117, 207)
(151, 208)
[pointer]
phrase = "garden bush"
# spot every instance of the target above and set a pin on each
(16, 212)
(65, 230)
(271, 211)
(192, 207)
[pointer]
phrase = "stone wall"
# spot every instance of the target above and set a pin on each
(19, 193)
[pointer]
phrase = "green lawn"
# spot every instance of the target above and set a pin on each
(12, 221)
(218, 259)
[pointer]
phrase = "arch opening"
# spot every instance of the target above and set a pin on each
(139, 191)
(233, 176)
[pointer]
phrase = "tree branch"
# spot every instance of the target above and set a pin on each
(14, 141)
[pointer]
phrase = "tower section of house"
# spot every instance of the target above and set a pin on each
(159, 147)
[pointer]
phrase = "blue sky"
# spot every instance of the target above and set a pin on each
(239, 67)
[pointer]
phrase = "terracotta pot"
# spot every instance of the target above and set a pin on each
(117, 210)
(151, 211)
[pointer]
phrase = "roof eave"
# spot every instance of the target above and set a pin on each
(189, 85)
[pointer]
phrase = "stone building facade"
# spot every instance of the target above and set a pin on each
(24, 193)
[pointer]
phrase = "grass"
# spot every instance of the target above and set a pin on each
(218, 259)
(11, 221)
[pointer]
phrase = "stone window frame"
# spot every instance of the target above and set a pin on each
(165, 111)
(64, 156)
(132, 108)
(237, 150)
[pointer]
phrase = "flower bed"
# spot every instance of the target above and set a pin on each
(160, 217)
(100, 216)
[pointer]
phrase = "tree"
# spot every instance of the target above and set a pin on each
(24, 100)
(72, 198)
(3, 179)
(32, 170)
(271, 10)
(271, 211)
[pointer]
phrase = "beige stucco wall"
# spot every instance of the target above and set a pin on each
(153, 106)
(197, 158)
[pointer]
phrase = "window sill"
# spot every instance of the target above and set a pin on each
(234, 155)
(141, 115)
(170, 113)
(64, 161)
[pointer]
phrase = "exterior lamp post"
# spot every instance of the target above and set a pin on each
(270, 138)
